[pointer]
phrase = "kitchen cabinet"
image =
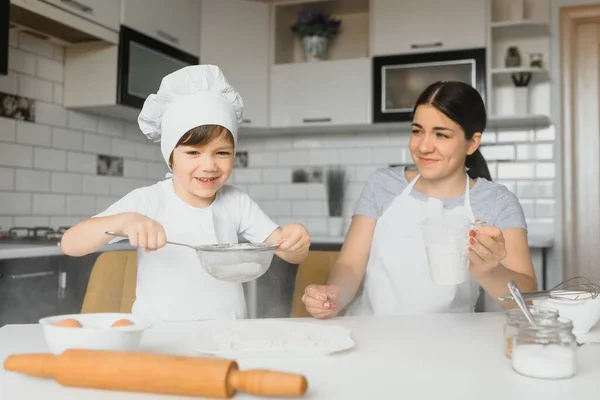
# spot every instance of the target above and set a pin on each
(321, 94)
(103, 12)
(175, 23)
(400, 27)
(241, 51)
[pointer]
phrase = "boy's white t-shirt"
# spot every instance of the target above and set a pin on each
(172, 285)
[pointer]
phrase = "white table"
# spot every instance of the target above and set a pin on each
(454, 356)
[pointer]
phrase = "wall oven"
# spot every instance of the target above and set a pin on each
(399, 79)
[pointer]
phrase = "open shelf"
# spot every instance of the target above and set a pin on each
(351, 42)
(516, 70)
(533, 24)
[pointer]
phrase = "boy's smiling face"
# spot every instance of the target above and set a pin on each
(200, 170)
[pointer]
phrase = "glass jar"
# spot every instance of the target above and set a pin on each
(546, 351)
(514, 316)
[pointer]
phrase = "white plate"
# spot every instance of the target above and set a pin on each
(266, 338)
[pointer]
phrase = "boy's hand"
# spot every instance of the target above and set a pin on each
(144, 232)
(294, 238)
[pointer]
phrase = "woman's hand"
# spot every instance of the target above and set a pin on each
(294, 238)
(486, 249)
(144, 232)
(321, 300)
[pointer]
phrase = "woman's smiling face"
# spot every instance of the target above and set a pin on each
(437, 144)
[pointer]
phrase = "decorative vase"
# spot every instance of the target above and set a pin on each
(315, 48)
(512, 59)
(335, 225)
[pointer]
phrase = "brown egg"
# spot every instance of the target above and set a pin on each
(69, 323)
(121, 322)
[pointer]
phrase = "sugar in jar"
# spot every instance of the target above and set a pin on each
(547, 350)
(514, 316)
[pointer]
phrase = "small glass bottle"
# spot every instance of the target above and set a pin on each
(547, 350)
(514, 316)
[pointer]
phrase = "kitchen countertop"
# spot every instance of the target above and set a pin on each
(45, 249)
(450, 356)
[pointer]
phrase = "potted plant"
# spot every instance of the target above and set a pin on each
(513, 57)
(336, 190)
(316, 29)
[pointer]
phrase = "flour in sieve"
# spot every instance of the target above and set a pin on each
(237, 272)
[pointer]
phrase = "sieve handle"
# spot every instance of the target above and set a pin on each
(121, 235)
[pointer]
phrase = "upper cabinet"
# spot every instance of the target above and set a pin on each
(401, 27)
(176, 23)
(241, 51)
(103, 12)
(321, 94)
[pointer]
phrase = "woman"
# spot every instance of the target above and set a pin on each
(383, 244)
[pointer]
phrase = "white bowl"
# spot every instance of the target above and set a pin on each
(584, 313)
(96, 333)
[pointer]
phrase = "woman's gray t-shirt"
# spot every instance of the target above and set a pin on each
(491, 202)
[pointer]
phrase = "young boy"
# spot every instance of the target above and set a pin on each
(195, 115)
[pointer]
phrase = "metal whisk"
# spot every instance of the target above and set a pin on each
(574, 289)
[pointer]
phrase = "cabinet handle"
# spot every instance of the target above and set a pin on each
(80, 6)
(32, 275)
(167, 36)
(247, 121)
(312, 120)
(426, 45)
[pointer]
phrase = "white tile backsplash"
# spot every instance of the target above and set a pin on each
(261, 191)
(8, 83)
(293, 158)
(35, 88)
(323, 157)
(544, 208)
(276, 175)
(50, 70)
(82, 163)
(263, 159)
(32, 181)
(31, 221)
(15, 203)
(16, 155)
(292, 191)
(97, 144)
(49, 204)
(308, 208)
(492, 153)
(241, 175)
(50, 159)
(123, 148)
(134, 169)
(66, 183)
(356, 156)
(81, 205)
(7, 179)
(545, 170)
(67, 139)
(58, 94)
(35, 134)
(110, 127)
(8, 129)
(21, 61)
(51, 114)
(515, 136)
(96, 185)
(515, 171)
(81, 121)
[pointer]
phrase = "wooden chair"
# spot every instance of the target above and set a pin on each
(314, 270)
(111, 287)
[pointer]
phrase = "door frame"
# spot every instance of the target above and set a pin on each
(570, 18)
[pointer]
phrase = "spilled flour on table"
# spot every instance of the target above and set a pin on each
(247, 340)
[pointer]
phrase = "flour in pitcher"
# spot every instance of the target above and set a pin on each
(237, 272)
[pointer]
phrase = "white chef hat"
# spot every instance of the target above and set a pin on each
(190, 97)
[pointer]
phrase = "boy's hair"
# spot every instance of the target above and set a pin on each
(202, 135)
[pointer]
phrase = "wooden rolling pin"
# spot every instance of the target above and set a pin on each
(155, 373)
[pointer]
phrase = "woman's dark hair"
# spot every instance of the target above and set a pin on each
(202, 135)
(462, 104)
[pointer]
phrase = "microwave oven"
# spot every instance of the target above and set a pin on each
(142, 63)
(399, 79)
